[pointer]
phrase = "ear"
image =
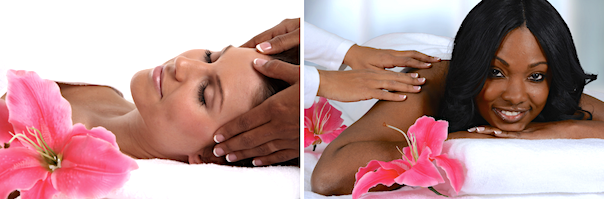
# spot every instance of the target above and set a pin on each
(194, 159)
(205, 155)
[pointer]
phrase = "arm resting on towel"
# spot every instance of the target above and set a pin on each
(566, 129)
(367, 139)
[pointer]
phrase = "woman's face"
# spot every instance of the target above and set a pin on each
(185, 100)
(517, 87)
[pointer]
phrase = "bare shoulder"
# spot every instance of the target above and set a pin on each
(593, 105)
(367, 139)
(400, 114)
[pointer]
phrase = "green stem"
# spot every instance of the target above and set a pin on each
(436, 192)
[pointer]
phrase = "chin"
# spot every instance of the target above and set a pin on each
(137, 85)
(513, 127)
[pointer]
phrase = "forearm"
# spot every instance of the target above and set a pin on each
(580, 129)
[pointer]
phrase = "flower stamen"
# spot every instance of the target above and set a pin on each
(49, 156)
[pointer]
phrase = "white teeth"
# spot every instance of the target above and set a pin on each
(510, 113)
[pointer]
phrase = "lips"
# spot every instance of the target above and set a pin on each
(510, 115)
(157, 77)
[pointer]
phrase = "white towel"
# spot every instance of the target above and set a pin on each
(511, 168)
(158, 178)
(514, 166)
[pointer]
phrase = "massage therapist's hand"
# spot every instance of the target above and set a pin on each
(362, 57)
(364, 84)
(270, 132)
(282, 37)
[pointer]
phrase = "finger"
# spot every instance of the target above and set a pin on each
(287, 25)
(248, 140)
(385, 95)
(278, 69)
(421, 56)
(406, 61)
(263, 150)
(400, 78)
(280, 43)
(493, 131)
(279, 156)
(249, 120)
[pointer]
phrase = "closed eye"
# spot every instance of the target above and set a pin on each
(201, 92)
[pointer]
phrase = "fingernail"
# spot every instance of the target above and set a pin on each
(257, 163)
(218, 152)
(218, 138)
(259, 62)
(231, 158)
(417, 87)
(421, 80)
(472, 129)
(428, 64)
(479, 129)
(264, 46)
(403, 97)
(414, 75)
(437, 58)
(497, 132)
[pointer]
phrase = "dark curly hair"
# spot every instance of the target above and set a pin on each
(476, 44)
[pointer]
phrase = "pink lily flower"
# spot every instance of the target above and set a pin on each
(322, 123)
(425, 140)
(54, 156)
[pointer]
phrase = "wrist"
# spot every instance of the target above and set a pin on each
(351, 54)
(323, 78)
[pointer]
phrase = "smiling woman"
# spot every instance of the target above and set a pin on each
(513, 73)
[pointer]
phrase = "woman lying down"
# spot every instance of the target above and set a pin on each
(514, 73)
(179, 104)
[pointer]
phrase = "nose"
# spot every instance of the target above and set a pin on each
(515, 92)
(186, 68)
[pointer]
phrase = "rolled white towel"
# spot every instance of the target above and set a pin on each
(514, 166)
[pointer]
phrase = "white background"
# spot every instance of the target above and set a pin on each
(106, 42)
(361, 20)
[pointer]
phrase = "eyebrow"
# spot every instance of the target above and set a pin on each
(530, 66)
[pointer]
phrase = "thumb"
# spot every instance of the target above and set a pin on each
(278, 69)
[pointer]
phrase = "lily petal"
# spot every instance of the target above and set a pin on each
(328, 137)
(334, 121)
(20, 168)
(453, 169)
(97, 132)
(372, 179)
(6, 127)
(35, 102)
(309, 137)
(91, 167)
(429, 133)
(423, 173)
(42, 189)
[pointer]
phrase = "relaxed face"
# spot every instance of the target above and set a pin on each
(517, 87)
(185, 100)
